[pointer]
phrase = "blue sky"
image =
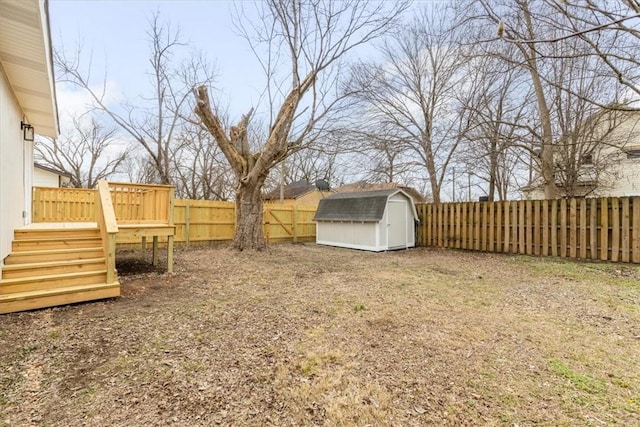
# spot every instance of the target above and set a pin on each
(113, 35)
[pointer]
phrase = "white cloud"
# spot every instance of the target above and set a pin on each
(77, 102)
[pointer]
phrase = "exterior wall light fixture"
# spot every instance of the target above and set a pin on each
(27, 130)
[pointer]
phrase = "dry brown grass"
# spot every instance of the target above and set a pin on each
(309, 335)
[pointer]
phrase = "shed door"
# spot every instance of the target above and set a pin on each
(397, 227)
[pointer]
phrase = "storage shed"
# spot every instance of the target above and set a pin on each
(371, 220)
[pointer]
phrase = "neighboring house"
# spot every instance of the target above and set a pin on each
(365, 186)
(44, 176)
(27, 97)
(299, 193)
(604, 161)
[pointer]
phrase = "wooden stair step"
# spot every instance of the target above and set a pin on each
(39, 283)
(52, 267)
(55, 243)
(45, 255)
(30, 300)
(34, 234)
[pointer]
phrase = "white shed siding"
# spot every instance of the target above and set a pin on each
(348, 235)
(12, 161)
(382, 228)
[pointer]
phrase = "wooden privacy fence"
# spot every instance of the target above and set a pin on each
(201, 222)
(197, 221)
(605, 229)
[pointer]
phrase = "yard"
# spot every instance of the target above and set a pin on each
(310, 335)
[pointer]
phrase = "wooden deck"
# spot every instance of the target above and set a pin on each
(71, 257)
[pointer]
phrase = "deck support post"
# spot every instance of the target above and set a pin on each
(169, 254)
(155, 251)
(144, 243)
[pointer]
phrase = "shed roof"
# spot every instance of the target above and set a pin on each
(366, 206)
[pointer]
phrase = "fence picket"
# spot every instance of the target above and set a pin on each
(604, 229)
(553, 225)
(625, 230)
(615, 230)
(545, 227)
(635, 232)
(499, 208)
(583, 229)
(507, 231)
(573, 227)
(563, 228)
(593, 229)
(528, 227)
(492, 231)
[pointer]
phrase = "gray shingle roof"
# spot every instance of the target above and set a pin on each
(291, 191)
(367, 206)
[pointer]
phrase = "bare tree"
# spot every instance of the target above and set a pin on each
(381, 152)
(308, 39)
(86, 152)
(582, 161)
(413, 91)
(609, 36)
(201, 171)
(153, 121)
(516, 21)
(497, 103)
(601, 40)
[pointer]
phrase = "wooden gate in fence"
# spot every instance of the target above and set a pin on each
(605, 229)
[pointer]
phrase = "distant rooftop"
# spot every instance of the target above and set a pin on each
(292, 191)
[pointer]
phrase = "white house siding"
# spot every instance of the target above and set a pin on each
(12, 161)
(622, 179)
(43, 178)
(348, 235)
(627, 182)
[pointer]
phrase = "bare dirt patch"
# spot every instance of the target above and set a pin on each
(310, 335)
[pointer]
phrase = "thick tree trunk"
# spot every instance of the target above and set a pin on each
(249, 234)
(547, 167)
(430, 165)
(493, 167)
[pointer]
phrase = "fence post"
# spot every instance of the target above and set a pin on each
(187, 222)
(615, 229)
(635, 233)
(625, 244)
(294, 223)
(604, 229)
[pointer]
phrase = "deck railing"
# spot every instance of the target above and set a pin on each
(133, 203)
(52, 204)
(142, 203)
(108, 225)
